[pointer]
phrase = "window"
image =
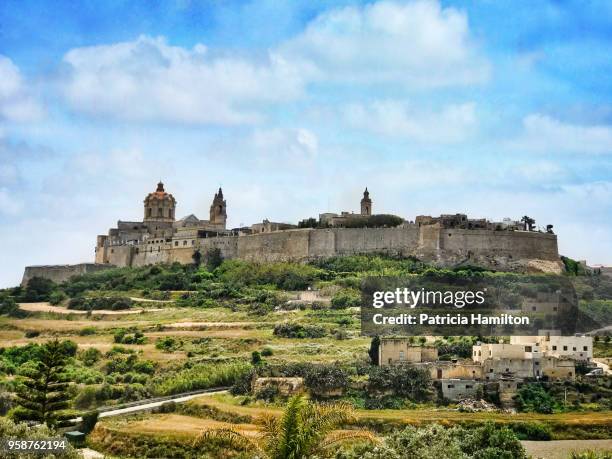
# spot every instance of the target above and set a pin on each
(565, 348)
(490, 370)
(149, 210)
(192, 242)
(554, 348)
(533, 308)
(585, 348)
(175, 243)
(527, 348)
(537, 363)
(402, 356)
(574, 348)
(160, 212)
(468, 386)
(450, 386)
(184, 242)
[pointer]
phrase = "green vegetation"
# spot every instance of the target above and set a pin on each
(42, 390)
(572, 267)
(221, 323)
(295, 330)
(98, 303)
(10, 429)
(131, 336)
(202, 376)
(304, 430)
(436, 441)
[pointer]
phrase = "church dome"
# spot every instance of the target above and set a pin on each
(159, 205)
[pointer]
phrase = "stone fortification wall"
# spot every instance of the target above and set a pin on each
(507, 250)
(443, 247)
(60, 273)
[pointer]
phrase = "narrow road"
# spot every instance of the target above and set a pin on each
(149, 406)
(563, 449)
(144, 405)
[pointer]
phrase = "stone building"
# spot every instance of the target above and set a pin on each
(578, 347)
(400, 350)
(457, 389)
(160, 238)
(340, 220)
(366, 203)
(159, 230)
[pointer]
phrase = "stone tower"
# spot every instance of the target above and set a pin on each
(159, 206)
(218, 209)
(366, 203)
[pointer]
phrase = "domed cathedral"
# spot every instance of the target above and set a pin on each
(159, 206)
(366, 203)
(218, 210)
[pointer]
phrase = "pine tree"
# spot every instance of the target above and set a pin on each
(43, 393)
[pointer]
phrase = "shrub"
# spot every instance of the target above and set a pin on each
(100, 303)
(267, 352)
(31, 333)
(89, 421)
(167, 407)
(401, 380)
(86, 331)
(285, 276)
(21, 431)
(346, 298)
(255, 358)
(90, 356)
(167, 344)
(57, 297)
(203, 376)
(38, 289)
(531, 431)
(267, 393)
(323, 379)
(374, 221)
(533, 397)
(295, 330)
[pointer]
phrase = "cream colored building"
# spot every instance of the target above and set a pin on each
(573, 347)
(485, 351)
(398, 350)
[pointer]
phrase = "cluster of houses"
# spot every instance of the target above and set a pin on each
(494, 367)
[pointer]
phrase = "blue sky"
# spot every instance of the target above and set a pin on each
(492, 108)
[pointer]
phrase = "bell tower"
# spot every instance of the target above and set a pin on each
(366, 203)
(218, 209)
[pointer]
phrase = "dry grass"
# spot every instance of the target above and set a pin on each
(230, 404)
(179, 425)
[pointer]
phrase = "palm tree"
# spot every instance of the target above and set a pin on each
(305, 429)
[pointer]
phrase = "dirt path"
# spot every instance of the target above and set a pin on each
(211, 324)
(562, 449)
(46, 307)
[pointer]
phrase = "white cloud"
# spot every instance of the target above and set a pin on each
(16, 102)
(542, 133)
(149, 80)
(293, 146)
(452, 124)
(417, 43)
(9, 205)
